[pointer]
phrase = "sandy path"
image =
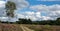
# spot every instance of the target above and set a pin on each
(25, 28)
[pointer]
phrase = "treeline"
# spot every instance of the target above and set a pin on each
(28, 21)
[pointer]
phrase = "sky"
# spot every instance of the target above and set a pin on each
(32, 9)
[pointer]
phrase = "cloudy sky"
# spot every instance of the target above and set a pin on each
(33, 9)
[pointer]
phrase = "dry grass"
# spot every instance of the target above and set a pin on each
(44, 27)
(16, 27)
(10, 27)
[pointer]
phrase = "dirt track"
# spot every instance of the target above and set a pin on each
(25, 28)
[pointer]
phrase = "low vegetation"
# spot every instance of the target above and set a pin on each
(44, 27)
(28, 21)
(16, 27)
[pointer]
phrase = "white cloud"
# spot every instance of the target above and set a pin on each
(51, 12)
(38, 14)
(2, 4)
(29, 13)
(20, 16)
(2, 7)
(3, 18)
(46, 18)
(33, 18)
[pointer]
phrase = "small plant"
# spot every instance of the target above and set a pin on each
(38, 30)
(46, 26)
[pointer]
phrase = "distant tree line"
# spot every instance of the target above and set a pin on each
(24, 21)
(48, 22)
(29, 21)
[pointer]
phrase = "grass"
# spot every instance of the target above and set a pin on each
(16, 27)
(10, 27)
(44, 27)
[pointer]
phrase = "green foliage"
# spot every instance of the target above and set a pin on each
(10, 7)
(7, 22)
(24, 21)
(45, 22)
(49, 22)
(58, 19)
(0, 21)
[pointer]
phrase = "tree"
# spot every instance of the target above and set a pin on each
(24, 21)
(58, 21)
(10, 7)
(29, 21)
(0, 21)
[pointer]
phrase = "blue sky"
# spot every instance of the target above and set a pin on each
(36, 9)
(35, 2)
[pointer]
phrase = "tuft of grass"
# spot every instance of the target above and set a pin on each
(46, 26)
